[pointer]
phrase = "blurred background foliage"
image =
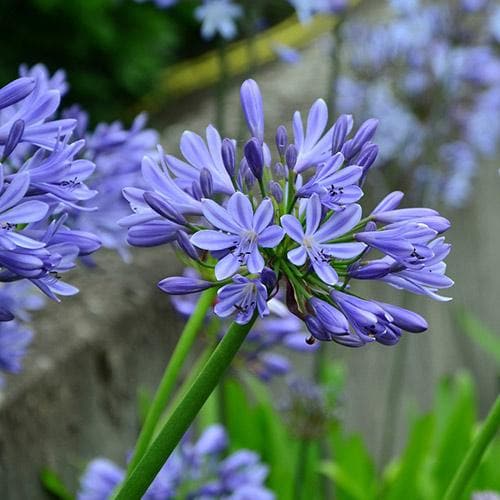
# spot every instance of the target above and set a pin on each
(112, 50)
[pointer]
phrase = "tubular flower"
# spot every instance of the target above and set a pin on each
(248, 224)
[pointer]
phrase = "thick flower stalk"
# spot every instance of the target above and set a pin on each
(251, 224)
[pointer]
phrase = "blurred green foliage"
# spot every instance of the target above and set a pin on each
(480, 334)
(436, 445)
(112, 50)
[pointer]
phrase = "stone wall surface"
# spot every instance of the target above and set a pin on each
(77, 397)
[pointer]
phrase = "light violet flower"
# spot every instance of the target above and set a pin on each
(218, 16)
(316, 242)
(240, 231)
(313, 145)
(336, 187)
(242, 297)
(253, 108)
(200, 155)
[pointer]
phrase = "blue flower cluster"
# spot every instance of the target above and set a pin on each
(251, 224)
(60, 196)
(440, 112)
(194, 470)
(42, 179)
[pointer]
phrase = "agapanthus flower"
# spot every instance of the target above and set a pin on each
(218, 17)
(14, 341)
(196, 469)
(317, 243)
(241, 231)
(117, 153)
(250, 224)
(42, 180)
(451, 99)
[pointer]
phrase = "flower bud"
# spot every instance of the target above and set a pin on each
(405, 319)
(363, 135)
(333, 321)
(255, 157)
(15, 135)
(228, 156)
(367, 155)
(389, 202)
(186, 245)
(276, 191)
(163, 207)
(316, 329)
(281, 140)
(16, 91)
(279, 171)
(206, 182)
(253, 108)
(340, 131)
(196, 190)
(269, 279)
(291, 156)
(181, 285)
(371, 271)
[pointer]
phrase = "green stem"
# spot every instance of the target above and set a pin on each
(182, 349)
(186, 384)
(473, 457)
(145, 471)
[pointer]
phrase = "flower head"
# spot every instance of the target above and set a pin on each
(228, 209)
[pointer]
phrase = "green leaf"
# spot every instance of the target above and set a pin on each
(455, 416)
(240, 417)
(487, 477)
(275, 447)
(353, 470)
(344, 481)
(480, 333)
(144, 400)
(53, 484)
(405, 478)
